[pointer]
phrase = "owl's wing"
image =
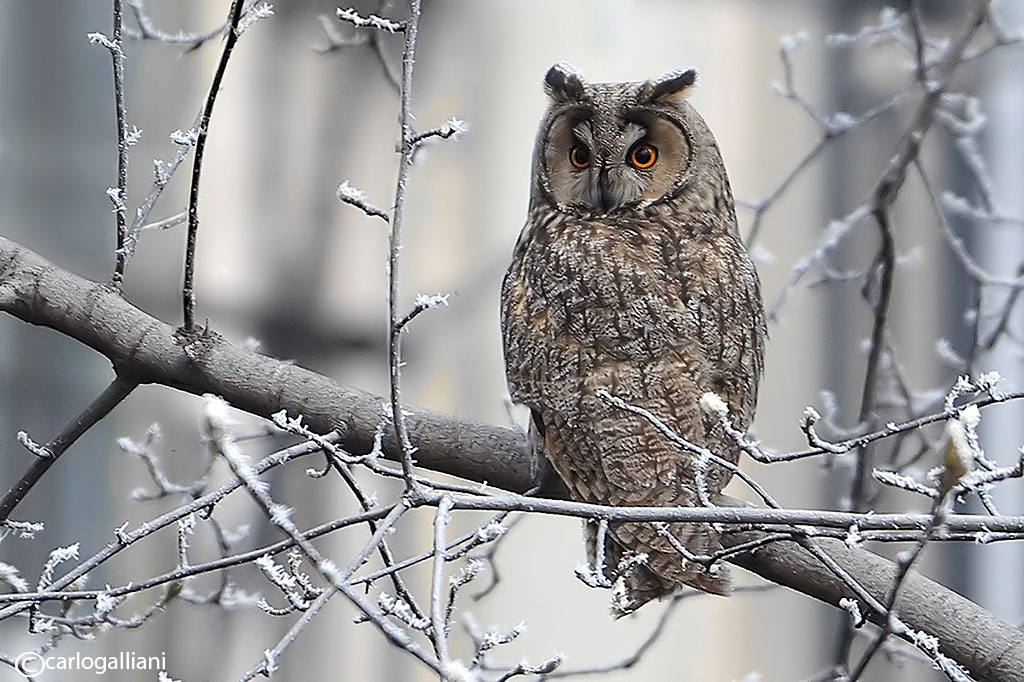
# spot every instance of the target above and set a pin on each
(535, 443)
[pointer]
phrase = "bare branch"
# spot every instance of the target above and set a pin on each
(188, 287)
(406, 150)
(73, 429)
(438, 622)
(148, 31)
(120, 194)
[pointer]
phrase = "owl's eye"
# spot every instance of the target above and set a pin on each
(643, 155)
(579, 156)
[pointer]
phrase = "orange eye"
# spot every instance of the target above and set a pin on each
(642, 155)
(579, 156)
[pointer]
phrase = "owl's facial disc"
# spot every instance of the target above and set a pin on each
(599, 162)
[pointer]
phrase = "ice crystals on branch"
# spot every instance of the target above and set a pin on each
(354, 196)
(809, 417)
(269, 661)
(32, 446)
(280, 514)
(284, 580)
(491, 531)
(423, 302)
(808, 420)
(217, 421)
(494, 638)
(350, 195)
(25, 530)
(929, 644)
(903, 481)
(400, 609)
(235, 599)
(984, 537)
(890, 22)
(452, 130)
(471, 570)
(594, 576)
(700, 477)
(97, 38)
(841, 121)
(262, 10)
(114, 194)
(294, 425)
(216, 429)
(330, 570)
(133, 136)
(185, 138)
(161, 175)
(105, 604)
(853, 608)
(186, 528)
(9, 576)
(372, 21)
(713, 406)
(987, 381)
(456, 671)
(970, 417)
(426, 301)
(789, 44)
(57, 557)
(456, 128)
(834, 233)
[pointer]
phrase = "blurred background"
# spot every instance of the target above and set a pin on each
(281, 260)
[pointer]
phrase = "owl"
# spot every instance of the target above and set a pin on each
(630, 277)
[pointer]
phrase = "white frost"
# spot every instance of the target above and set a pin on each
(712, 405)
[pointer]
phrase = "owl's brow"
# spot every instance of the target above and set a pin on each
(633, 131)
(641, 117)
(582, 132)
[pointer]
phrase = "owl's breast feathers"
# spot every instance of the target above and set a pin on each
(585, 297)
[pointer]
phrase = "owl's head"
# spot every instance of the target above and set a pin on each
(607, 147)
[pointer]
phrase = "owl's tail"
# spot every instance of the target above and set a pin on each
(665, 570)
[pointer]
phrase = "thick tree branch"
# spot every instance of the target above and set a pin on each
(988, 647)
(143, 347)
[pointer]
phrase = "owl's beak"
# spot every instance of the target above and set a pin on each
(607, 200)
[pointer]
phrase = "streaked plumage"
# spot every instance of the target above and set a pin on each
(633, 280)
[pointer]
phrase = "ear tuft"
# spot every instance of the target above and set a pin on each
(672, 87)
(564, 82)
